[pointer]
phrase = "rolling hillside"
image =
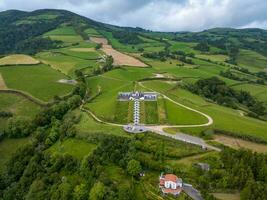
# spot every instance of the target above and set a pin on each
(62, 127)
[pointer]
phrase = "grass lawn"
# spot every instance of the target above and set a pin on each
(40, 81)
(121, 112)
(9, 147)
(151, 110)
(75, 147)
(104, 106)
(178, 115)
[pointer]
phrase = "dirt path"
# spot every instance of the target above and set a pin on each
(2, 83)
(119, 58)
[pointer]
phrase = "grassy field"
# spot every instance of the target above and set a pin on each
(87, 126)
(178, 115)
(66, 34)
(67, 60)
(40, 80)
(218, 57)
(121, 112)
(259, 91)
(18, 59)
(151, 110)
(252, 60)
(18, 105)
(9, 147)
(149, 45)
(75, 147)
(223, 117)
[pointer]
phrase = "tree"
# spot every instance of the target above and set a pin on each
(134, 167)
(80, 192)
(97, 192)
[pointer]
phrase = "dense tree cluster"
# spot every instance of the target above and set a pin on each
(202, 46)
(229, 40)
(6, 114)
(164, 55)
(217, 90)
(242, 170)
(22, 38)
(127, 37)
(105, 67)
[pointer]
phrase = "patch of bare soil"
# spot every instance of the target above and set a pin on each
(119, 58)
(99, 40)
(236, 143)
(2, 83)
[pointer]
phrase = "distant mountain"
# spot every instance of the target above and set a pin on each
(19, 28)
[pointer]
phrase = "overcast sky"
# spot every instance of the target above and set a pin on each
(159, 15)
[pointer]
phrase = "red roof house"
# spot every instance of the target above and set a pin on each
(170, 184)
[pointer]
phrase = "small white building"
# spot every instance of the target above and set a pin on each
(170, 184)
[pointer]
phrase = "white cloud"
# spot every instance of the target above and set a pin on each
(163, 15)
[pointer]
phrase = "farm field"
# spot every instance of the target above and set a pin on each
(18, 105)
(39, 81)
(119, 58)
(259, 91)
(252, 60)
(18, 59)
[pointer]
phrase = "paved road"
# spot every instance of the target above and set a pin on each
(192, 192)
(184, 138)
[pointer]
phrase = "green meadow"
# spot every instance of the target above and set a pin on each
(40, 81)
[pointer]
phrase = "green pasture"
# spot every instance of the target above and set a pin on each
(64, 30)
(214, 57)
(75, 147)
(258, 91)
(88, 126)
(65, 63)
(223, 117)
(183, 46)
(92, 32)
(18, 105)
(151, 112)
(39, 81)
(148, 45)
(252, 60)
(104, 105)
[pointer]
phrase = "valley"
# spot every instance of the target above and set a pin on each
(62, 126)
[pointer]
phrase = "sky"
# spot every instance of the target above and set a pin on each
(159, 15)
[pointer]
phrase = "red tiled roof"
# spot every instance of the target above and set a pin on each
(168, 190)
(161, 182)
(170, 177)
